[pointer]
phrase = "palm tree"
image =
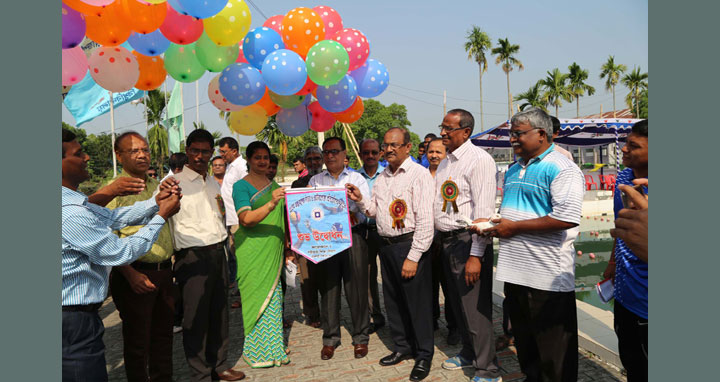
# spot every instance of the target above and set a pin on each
(157, 135)
(215, 134)
(158, 142)
(533, 97)
(506, 55)
(577, 85)
(475, 46)
(277, 141)
(556, 89)
(612, 72)
(635, 81)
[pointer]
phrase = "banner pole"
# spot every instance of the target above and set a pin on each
(112, 134)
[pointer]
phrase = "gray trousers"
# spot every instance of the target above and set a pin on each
(374, 242)
(348, 268)
(472, 305)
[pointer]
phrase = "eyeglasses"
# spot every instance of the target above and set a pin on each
(370, 152)
(205, 153)
(333, 152)
(450, 129)
(136, 152)
(152, 175)
(517, 134)
(394, 145)
(223, 152)
(313, 159)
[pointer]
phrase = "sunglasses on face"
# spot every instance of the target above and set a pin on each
(333, 152)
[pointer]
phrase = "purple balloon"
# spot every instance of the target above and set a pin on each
(338, 97)
(73, 27)
(294, 122)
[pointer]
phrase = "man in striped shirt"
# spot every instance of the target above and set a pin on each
(542, 200)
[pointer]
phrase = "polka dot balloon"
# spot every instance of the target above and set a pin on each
(114, 68)
(286, 102)
(275, 23)
(284, 71)
(372, 78)
(353, 113)
(338, 97)
(333, 21)
(242, 84)
(74, 65)
(259, 43)
(217, 99)
(213, 57)
(327, 62)
(301, 29)
(294, 122)
(151, 44)
(249, 120)
(230, 25)
(356, 45)
(182, 64)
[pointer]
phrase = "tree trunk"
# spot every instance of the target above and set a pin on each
(613, 90)
(637, 102)
(507, 74)
(557, 113)
(482, 125)
(577, 101)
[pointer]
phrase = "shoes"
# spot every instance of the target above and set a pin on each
(177, 329)
(229, 375)
(393, 359)
(375, 327)
(504, 341)
(420, 370)
(483, 379)
(236, 304)
(453, 337)
(456, 363)
(361, 350)
(327, 352)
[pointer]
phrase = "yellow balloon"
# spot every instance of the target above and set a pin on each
(230, 25)
(249, 120)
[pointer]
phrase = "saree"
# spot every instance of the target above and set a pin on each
(259, 252)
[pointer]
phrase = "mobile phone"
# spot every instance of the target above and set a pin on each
(626, 199)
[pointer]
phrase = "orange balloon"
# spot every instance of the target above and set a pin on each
(270, 107)
(142, 17)
(152, 72)
(83, 7)
(353, 113)
(108, 28)
(301, 29)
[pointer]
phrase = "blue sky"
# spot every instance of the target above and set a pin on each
(421, 44)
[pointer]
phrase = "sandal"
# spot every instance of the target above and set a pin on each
(235, 304)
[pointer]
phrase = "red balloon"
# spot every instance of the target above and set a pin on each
(322, 120)
(275, 23)
(333, 21)
(241, 57)
(181, 29)
(308, 88)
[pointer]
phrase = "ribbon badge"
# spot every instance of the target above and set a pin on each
(398, 210)
(449, 191)
(221, 204)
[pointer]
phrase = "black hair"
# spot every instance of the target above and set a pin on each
(342, 142)
(177, 160)
(124, 135)
(67, 136)
(216, 157)
(430, 135)
(200, 135)
(255, 146)
(406, 134)
(299, 159)
(466, 119)
(230, 142)
(641, 128)
(274, 159)
(556, 124)
(366, 140)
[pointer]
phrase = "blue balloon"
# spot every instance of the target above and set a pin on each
(202, 9)
(294, 122)
(284, 72)
(151, 44)
(372, 78)
(241, 84)
(175, 4)
(338, 97)
(260, 42)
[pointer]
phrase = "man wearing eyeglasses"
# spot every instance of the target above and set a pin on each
(466, 187)
(235, 169)
(348, 268)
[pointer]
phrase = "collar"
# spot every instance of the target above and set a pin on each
(345, 171)
(70, 197)
(377, 172)
(404, 166)
(190, 173)
(461, 151)
(537, 158)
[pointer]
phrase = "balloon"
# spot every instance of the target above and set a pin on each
(174, 4)
(98, 3)
(181, 29)
(107, 28)
(114, 68)
(322, 120)
(308, 88)
(202, 9)
(284, 72)
(242, 84)
(286, 102)
(294, 122)
(372, 78)
(331, 19)
(152, 71)
(356, 45)
(217, 98)
(230, 25)
(142, 17)
(74, 65)
(266, 102)
(73, 27)
(83, 8)
(327, 62)
(275, 23)
(151, 44)
(249, 120)
(241, 56)
(215, 58)
(338, 97)
(259, 43)
(353, 113)
(155, 1)
(182, 64)
(301, 29)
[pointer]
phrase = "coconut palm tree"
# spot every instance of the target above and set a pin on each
(635, 81)
(157, 135)
(533, 97)
(577, 85)
(556, 89)
(277, 141)
(158, 143)
(506, 55)
(475, 46)
(612, 72)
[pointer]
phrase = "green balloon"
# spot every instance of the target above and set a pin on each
(213, 57)
(182, 64)
(286, 102)
(327, 62)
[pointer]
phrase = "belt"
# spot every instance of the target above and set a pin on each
(167, 264)
(82, 308)
(398, 239)
(218, 246)
(453, 233)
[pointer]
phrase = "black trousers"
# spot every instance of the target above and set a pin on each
(374, 242)
(202, 274)
(407, 301)
(83, 350)
(438, 280)
(309, 289)
(348, 268)
(632, 333)
(544, 324)
(147, 321)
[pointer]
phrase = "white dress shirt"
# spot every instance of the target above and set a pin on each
(413, 184)
(233, 172)
(324, 179)
(475, 173)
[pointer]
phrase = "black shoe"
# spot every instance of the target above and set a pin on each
(393, 359)
(420, 370)
(453, 337)
(375, 327)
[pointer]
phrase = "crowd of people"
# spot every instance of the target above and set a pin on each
(172, 251)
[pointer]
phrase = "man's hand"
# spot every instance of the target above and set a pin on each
(353, 192)
(505, 228)
(170, 183)
(609, 271)
(127, 185)
(472, 270)
(476, 229)
(409, 269)
(169, 206)
(139, 282)
(632, 227)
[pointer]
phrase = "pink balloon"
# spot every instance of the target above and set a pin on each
(217, 99)
(114, 68)
(74, 66)
(179, 28)
(356, 45)
(592, 256)
(322, 120)
(333, 21)
(274, 23)
(241, 57)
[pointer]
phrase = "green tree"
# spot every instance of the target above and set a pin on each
(643, 107)
(635, 81)
(577, 85)
(80, 134)
(477, 42)
(532, 97)
(506, 52)
(612, 72)
(155, 104)
(278, 142)
(556, 89)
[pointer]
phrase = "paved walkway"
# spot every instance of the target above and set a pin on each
(305, 343)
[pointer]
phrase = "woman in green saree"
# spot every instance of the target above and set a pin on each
(260, 242)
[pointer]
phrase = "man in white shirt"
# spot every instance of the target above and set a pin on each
(235, 169)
